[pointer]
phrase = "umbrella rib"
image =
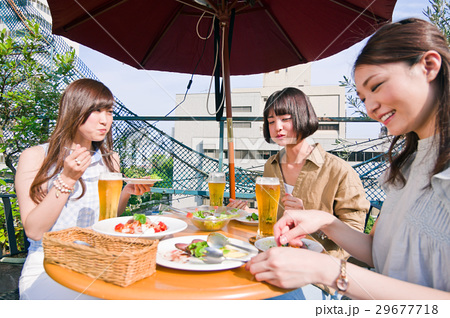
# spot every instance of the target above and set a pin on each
(90, 14)
(275, 21)
(359, 10)
(155, 43)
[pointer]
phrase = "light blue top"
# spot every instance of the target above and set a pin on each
(81, 212)
(412, 237)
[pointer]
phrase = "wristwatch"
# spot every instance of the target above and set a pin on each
(342, 281)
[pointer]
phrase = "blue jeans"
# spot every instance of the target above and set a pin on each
(308, 292)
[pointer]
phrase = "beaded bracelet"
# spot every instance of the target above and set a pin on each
(61, 186)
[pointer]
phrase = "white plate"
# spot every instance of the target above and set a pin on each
(173, 226)
(243, 219)
(192, 263)
(268, 242)
(141, 181)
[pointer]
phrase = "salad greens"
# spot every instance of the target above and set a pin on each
(198, 249)
(142, 218)
(252, 217)
(210, 213)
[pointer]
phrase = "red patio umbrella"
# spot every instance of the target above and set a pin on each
(172, 35)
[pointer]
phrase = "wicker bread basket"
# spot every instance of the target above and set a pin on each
(118, 260)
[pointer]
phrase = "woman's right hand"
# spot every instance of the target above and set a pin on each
(296, 224)
(75, 164)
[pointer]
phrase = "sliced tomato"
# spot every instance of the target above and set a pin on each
(119, 227)
(162, 226)
(189, 215)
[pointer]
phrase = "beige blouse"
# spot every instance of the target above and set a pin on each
(326, 183)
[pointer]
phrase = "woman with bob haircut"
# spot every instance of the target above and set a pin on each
(402, 76)
(310, 177)
(56, 182)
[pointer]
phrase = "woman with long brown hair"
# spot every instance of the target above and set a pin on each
(402, 76)
(56, 183)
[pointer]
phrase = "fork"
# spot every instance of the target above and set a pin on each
(92, 152)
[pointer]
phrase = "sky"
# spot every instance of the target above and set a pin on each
(152, 93)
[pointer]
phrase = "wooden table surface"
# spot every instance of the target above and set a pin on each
(169, 283)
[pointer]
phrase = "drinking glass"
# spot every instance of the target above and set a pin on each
(216, 184)
(267, 196)
(109, 189)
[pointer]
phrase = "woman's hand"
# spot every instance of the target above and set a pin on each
(285, 267)
(239, 204)
(296, 224)
(292, 203)
(76, 164)
(137, 189)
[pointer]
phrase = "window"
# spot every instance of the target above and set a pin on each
(328, 126)
(242, 124)
(241, 109)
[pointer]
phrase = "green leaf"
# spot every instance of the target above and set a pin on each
(142, 218)
(198, 249)
(199, 214)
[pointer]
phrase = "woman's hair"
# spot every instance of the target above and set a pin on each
(407, 41)
(78, 101)
(294, 102)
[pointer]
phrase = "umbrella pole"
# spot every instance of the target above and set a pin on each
(227, 89)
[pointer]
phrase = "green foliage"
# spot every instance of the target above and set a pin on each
(31, 79)
(351, 99)
(346, 148)
(439, 14)
(369, 225)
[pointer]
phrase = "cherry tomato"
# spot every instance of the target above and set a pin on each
(119, 227)
(162, 226)
(189, 215)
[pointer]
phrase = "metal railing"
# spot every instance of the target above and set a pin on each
(10, 228)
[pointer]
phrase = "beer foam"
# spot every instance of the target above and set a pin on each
(267, 181)
(110, 176)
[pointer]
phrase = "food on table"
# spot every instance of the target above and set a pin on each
(212, 221)
(211, 214)
(140, 224)
(197, 249)
(268, 242)
(252, 217)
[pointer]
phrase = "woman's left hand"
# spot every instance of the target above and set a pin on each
(137, 189)
(292, 203)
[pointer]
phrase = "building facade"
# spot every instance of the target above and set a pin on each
(251, 150)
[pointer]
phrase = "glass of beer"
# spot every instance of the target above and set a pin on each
(267, 196)
(216, 184)
(109, 189)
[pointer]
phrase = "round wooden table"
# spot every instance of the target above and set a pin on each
(169, 283)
